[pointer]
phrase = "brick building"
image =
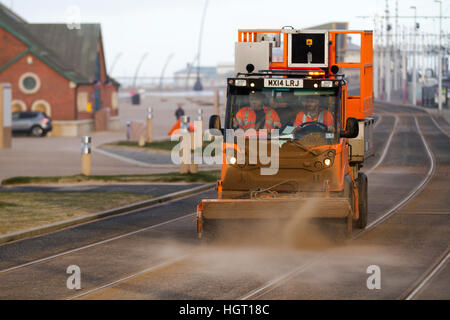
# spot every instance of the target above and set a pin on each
(59, 71)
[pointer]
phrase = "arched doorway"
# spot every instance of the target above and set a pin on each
(42, 106)
(18, 105)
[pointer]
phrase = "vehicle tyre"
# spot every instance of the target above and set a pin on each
(37, 131)
(363, 210)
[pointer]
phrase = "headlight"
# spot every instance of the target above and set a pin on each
(327, 162)
(232, 160)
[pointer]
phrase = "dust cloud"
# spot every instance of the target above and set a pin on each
(245, 255)
(302, 230)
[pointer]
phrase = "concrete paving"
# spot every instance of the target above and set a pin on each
(60, 156)
(164, 108)
(55, 156)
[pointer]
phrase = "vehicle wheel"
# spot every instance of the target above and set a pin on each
(37, 131)
(362, 190)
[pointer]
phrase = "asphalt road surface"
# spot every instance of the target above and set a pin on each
(155, 189)
(154, 253)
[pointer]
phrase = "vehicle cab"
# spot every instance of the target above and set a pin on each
(290, 78)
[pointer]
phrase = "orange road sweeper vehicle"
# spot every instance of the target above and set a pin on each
(301, 100)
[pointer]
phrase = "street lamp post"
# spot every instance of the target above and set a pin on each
(414, 78)
(388, 62)
(396, 48)
(116, 58)
(381, 64)
(440, 57)
(198, 83)
(404, 66)
(376, 92)
(161, 79)
(139, 67)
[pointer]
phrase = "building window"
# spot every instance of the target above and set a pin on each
(18, 105)
(82, 102)
(114, 100)
(42, 106)
(29, 83)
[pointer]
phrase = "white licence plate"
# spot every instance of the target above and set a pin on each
(283, 83)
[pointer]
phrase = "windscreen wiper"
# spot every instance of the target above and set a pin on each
(298, 144)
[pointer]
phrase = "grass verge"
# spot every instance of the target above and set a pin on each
(166, 145)
(24, 210)
(201, 176)
(163, 145)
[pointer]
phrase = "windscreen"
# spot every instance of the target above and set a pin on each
(304, 114)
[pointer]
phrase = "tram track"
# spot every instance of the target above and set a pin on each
(297, 271)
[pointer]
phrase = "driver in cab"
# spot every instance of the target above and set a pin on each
(257, 115)
(312, 115)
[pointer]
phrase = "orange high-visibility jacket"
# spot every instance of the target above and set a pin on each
(177, 126)
(324, 117)
(246, 118)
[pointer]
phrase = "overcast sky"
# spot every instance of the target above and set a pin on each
(133, 27)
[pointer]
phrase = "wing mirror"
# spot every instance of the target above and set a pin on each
(215, 125)
(351, 129)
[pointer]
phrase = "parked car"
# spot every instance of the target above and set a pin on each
(37, 124)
